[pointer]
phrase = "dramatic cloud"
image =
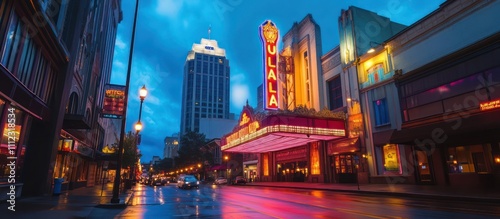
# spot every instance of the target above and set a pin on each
(166, 30)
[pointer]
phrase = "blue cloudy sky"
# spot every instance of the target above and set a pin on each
(167, 29)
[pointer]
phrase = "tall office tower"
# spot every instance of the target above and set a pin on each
(205, 92)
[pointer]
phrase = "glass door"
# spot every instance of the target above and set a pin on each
(345, 166)
(424, 168)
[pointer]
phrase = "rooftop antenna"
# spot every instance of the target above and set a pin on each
(209, 30)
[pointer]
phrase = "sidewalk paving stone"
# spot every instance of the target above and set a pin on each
(77, 203)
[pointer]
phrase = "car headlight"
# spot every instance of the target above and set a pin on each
(197, 182)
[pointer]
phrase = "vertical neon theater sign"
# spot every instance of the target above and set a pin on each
(269, 36)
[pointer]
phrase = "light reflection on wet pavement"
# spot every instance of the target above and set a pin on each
(210, 201)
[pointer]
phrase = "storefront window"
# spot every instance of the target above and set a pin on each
(315, 169)
(58, 166)
(65, 162)
(73, 164)
(345, 163)
(12, 125)
(22, 148)
(467, 159)
(391, 158)
(82, 170)
(62, 167)
(294, 171)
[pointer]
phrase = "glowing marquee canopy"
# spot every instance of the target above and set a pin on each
(278, 132)
(269, 36)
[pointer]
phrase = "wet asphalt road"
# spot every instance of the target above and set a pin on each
(211, 201)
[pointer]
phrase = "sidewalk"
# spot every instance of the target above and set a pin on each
(77, 203)
(402, 190)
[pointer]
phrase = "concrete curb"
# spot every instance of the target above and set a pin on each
(123, 203)
(129, 198)
(395, 194)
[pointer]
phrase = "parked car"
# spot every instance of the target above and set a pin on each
(188, 182)
(166, 180)
(220, 180)
(157, 182)
(240, 180)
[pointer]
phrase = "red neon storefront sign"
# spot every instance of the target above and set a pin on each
(269, 36)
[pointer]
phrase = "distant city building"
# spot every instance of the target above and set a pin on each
(205, 92)
(260, 98)
(171, 146)
(156, 160)
(224, 126)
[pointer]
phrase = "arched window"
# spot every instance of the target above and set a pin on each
(72, 106)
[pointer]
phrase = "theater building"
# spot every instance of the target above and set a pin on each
(291, 146)
(290, 136)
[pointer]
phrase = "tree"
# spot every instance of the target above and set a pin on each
(130, 155)
(190, 149)
(165, 165)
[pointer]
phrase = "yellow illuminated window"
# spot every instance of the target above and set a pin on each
(315, 169)
(391, 158)
(265, 164)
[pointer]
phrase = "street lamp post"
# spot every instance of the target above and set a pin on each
(199, 171)
(116, 183)
(138, 127)
(142, 95)
(226, 158)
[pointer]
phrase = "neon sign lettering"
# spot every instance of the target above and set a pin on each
(245, 130)
(490, 105)
(269, 36)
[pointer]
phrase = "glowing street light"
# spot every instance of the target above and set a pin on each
(138, 126)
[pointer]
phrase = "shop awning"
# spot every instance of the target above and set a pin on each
(106, 157)
(278, 132)
(219, 167)
(343, 146)
(73, 121)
